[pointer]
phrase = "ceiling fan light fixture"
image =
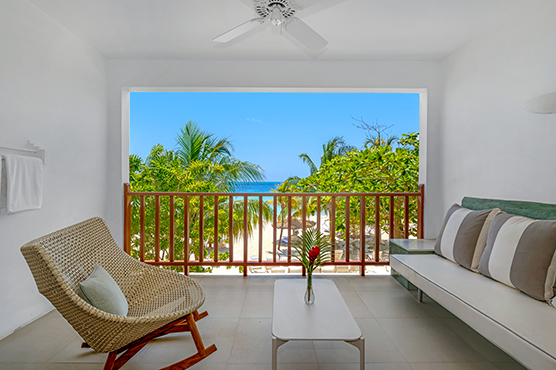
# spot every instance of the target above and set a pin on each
(276, 17)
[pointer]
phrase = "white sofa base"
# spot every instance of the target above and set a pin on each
(518, 324)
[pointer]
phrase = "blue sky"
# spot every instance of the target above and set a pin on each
(268, 129)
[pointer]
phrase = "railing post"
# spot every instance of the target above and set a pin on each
(245, 245)
(362, 226)
(127, 219)
(420, 211)
(185, 235)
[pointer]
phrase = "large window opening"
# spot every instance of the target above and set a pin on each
(248, 146)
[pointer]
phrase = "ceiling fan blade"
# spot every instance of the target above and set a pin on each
(305, 34)
(239, 30)
(302, 4)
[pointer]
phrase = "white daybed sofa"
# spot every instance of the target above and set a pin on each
(523, 327)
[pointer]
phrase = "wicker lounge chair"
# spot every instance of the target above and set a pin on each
(160, 301)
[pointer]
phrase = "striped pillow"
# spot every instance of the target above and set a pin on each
(520, 253)
(463, 236)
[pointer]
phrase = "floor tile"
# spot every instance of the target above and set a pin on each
(392, 303)
(46, 337)
(432, 307)
(269, 367)
(70, 366)
(199, 366)
(225, 282)
(453, 366)
(252, 343)
(428, 340)
(74, 353)
(356, 306)
(224, 303)
(374, 283)
(297, 352)
(509, 366)
(20, 365)
(378, 347)
(175, 347)
(478, 342)
(258, 304)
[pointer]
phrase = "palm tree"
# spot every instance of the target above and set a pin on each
(195, 146)
(201, 162)
(332, 148)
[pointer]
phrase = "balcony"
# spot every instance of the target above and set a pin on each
(254, 232)
(401, 334)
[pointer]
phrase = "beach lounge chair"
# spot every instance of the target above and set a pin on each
(160, 301)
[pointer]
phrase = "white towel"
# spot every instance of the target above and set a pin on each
(24, 182)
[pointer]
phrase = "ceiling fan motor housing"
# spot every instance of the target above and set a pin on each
(264, 7)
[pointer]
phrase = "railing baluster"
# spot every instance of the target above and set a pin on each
(142, 231)
(216, 228)
(420, 212)
(332, 226)
(304, 214)
(391, 219)
(231, 228)
(318, 212)
(275, 226)
(348, 232)
(362, 226)
(157, 229)
(171, 228)
(377, 228)
(245, 235)
(260, 228)
(201, 229)
(289, 228)
(406, 217)
(127, 219)
(185, 235)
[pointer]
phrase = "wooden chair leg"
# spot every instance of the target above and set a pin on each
(109, 365)
(113, 362)
(202, 352)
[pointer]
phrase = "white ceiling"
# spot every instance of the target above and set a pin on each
(356, 30)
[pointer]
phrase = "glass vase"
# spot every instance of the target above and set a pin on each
(309, 293)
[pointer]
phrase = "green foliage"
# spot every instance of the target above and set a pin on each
(308, 240)
(201, 163)
(381, 168)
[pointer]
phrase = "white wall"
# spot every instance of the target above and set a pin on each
(491, 147)
(175, 74)
(52, 92)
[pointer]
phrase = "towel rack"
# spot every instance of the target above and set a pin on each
(39, 153)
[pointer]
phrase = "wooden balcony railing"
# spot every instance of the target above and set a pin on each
(185, 230)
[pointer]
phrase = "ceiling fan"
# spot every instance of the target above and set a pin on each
(280, 13)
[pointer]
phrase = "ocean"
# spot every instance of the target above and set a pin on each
(257, 187)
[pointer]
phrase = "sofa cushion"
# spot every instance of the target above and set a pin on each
(520, 253)
(101, 291)
(463, 235)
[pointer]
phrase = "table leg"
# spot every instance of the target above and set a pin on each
(360, 344)
(276, 343)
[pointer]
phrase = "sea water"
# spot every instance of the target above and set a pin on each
(257, 187)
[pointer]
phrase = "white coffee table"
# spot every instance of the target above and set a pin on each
(327, 319)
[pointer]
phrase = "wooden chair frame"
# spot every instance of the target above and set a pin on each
(183, 324)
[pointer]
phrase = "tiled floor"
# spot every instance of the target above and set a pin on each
(400, 333)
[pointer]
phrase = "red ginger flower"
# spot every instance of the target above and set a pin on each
(313, 254)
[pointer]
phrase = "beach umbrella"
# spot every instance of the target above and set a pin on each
(297, 223)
